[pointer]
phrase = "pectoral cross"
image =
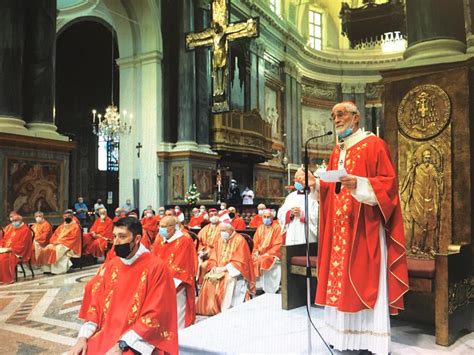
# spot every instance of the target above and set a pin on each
(139, 147)
(218, 37)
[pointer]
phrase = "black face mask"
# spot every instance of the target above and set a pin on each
(232, 215)
(123, 250)
(68, 220)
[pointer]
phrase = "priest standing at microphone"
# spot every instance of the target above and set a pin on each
(362, 266)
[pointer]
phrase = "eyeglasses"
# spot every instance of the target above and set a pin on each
(340, 114)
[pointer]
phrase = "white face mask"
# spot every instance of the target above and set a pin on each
(260, 212)
(177, 210)
(214, 219)
(196, 214)
(102, 217)
(149, 215)
(202, 210)
(222, 207)
(225, 235)
(38, 219)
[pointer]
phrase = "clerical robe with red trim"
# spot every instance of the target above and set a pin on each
(104, 232)
(67, 235)
(267, 243)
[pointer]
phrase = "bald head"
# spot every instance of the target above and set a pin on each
(168, 226)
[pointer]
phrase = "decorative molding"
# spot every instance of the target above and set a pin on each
(460, 294)
(374, 91)
(320, 90)
(359, 88)
(142, 58)
(346, 88)
(14, 140)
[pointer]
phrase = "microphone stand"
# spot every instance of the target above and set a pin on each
(306, 232)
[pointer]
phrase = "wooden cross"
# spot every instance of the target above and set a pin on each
(139, 146)
(218, 37)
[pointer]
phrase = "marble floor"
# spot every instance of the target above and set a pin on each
(39, 316)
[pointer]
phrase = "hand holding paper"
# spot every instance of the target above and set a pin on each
(332, 175)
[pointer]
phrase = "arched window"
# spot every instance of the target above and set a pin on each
(275, 6)
(315, 30)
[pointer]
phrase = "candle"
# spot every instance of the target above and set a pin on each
(378, 131)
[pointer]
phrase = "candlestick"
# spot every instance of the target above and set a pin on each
(378, 131)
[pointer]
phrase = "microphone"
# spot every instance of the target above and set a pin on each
(338, 187)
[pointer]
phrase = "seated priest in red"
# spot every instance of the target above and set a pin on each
(179, 214)
(101, 232)
(119, 213)
(196, 219)
(179, 254)
(150, 228)
(237, 222)
(132, 305)
(266, 254)
(15, 245)
(257, 219)
(42, 231)
(160, 215)
(63, 245)
(229, 275)
(207, 238)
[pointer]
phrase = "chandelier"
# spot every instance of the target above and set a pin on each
(111, 125)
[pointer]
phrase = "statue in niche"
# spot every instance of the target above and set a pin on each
(421, 193)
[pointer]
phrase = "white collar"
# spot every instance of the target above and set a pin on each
(354, 138)
(175, 236)
(141, 250)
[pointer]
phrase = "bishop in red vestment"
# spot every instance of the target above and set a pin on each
(178, 252)
(362, 266)
(257, 219)
(133, 303)
(42, 231)
(101, 232)
(196, 219)
(237, 222)
(16, 244)
(150, 228)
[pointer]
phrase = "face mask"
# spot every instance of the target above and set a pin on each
(102, 217)
(232, 215)
(222, 207)
(149, 215)
(267, 221)
(225, 235)
(260, 212)
(161, 213)
(196, 214)
(202, 210)
(164, 232)
(347, 132)
(81, 201)
(214, 219)
(99, 202)
(177, 210)
(38, 219)
(68, 220)
(16, 224)
(123, 250)
(299, 186)
(117, 214)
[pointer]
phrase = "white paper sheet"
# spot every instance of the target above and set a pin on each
(332, 175)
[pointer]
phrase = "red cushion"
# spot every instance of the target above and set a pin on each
(421, 268)
(301, 260)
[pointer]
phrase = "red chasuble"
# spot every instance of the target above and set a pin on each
(196, 221)
(139, 297)
(349, 244)
(267, 243)
(180, 257)
(20, 241)
(43, 232)
(104, 232)
(150, 230)
(256, 221)
(235, 251)
(68, 235)
(238, 224)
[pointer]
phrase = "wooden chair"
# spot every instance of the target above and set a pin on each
(441, 292)
(249, 240)
(293, 274)
(195, 238)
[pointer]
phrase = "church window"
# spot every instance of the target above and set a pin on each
(275, 6)
(315, 30)
(107, 154)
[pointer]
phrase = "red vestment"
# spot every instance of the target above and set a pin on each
(235, 251)
(238, 224)
(104, 231)
(349, 244)
(196, 221)
(139, 297)
(207, 238)
(20, 241)
(256, 221)
(42, 233)
(180, 257)
(150, 230)
(267, 243)
(66, 234)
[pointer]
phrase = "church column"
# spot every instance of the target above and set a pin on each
(203, 77)
(12, 21)
(292, 122)
(39, 62)
(186, 83)
(435, 31)
(359, 90)
(346, 90)
(299, 119)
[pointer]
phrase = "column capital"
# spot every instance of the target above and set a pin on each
(346, 88)
(359, 88)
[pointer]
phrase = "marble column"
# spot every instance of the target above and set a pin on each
(347, 94)
(39, 61)
(203, 77)
(12, 24)
(186, 83)
(435, 31)
(292, 112)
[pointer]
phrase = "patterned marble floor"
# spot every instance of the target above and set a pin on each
(40, 316)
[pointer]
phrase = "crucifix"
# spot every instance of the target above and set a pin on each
(139, 146)
(218, 37)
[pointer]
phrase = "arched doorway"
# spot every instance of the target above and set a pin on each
(84, 82)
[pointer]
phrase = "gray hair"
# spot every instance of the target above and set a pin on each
(349, 107)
